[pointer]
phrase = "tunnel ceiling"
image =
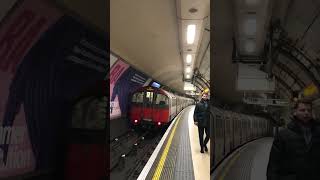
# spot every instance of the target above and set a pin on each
(94, 12)
(223, 71)
(151, 43)
(146, 35)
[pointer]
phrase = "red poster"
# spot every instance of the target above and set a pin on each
(115, 73)
(19, 32)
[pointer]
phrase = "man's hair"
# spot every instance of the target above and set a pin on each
(301, 101)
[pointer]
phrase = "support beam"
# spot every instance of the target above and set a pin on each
(301, 65)
(290, 73)
(284, 84)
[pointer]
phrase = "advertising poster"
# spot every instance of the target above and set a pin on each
(115, 73)
(19, 31)
(123, 81)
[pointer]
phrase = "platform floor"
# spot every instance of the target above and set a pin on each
(178, 156)
(247, 163)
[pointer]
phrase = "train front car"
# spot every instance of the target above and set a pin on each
(149, 108)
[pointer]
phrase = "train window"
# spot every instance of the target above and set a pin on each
(162, 100)
(89, 113)
(137, 97)
(174, 102)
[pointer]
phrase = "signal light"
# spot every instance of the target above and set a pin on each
(159, 123)
(135, 121)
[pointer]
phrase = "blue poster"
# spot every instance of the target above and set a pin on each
(129, 81)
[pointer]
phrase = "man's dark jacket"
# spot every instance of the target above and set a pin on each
(202, 113)
(291, 158)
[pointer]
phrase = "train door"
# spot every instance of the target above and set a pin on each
(137, 106)
(225, 135)
(173, 107)
(240, 130)
(176, 106)
(219, 139)
(232, 131)
(161, 108)
(248, 129)
(148, 106)
(228, 133)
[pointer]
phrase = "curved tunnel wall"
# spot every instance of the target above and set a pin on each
(47, 60)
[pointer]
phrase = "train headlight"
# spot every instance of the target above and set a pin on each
(159, 123)
(135, 121)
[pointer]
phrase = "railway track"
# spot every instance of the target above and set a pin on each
(130, 152)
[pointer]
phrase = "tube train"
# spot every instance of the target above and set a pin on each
(153, 107)
(231, 130)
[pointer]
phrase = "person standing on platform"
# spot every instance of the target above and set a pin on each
(295, 153)
(201, 118)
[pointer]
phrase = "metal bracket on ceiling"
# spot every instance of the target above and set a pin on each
(198, 76)
(284, 84)
(246, 59)
(196, 85)
(290, 73)
(298, 58)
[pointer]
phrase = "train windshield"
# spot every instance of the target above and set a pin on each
(137, 98)
(162, 101)
(149, 98)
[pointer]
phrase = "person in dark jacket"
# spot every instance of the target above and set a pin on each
(295, 153)
(201, 118)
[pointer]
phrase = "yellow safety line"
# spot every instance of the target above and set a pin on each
(228, 166)
(158, 171)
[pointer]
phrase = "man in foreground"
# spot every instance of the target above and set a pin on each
(295, 153)
(202, 120)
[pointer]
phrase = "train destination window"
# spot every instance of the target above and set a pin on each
(149, 98)
(162, 100)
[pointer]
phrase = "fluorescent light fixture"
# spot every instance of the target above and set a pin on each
(188, 69)
(250, 27)
(191, 32)
(189, 58)
(188, 76)
(250, 46)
